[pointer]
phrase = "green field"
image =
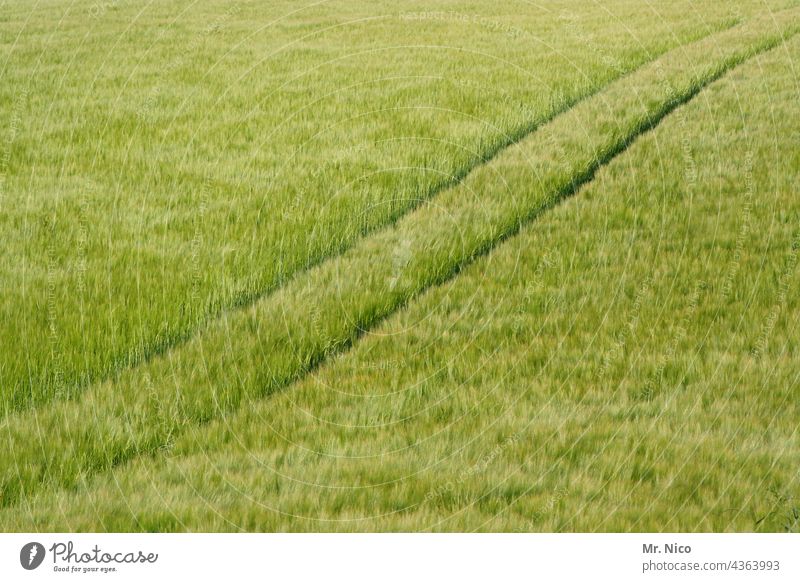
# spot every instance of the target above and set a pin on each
(444, 266)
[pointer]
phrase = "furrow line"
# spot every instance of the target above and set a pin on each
(263, 349)
(154, 349)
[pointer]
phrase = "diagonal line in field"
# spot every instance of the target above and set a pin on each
(285, 336)
(126, 360)
(369, 319)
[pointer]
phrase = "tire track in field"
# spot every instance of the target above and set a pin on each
(158, 347)
(283, 337)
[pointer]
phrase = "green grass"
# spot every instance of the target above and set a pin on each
(173, 160)
(591, 330)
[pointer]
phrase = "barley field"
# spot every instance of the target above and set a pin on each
(416, 266)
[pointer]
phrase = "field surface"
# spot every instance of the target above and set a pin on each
(438, 266)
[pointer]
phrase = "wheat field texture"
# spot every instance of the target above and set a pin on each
(417, 266)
